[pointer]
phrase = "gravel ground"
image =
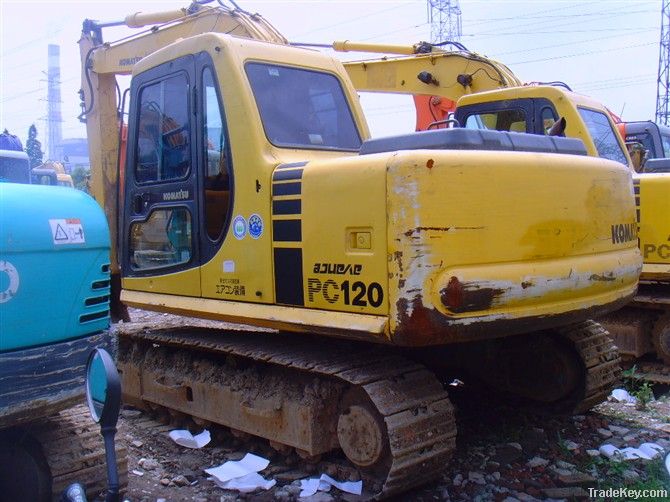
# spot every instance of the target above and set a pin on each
(502, 455)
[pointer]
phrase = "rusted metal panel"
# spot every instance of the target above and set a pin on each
(517, 257)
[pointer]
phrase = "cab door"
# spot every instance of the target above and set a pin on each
(160, 248)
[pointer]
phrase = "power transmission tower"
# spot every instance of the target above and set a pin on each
(663, 81)
(445, 20)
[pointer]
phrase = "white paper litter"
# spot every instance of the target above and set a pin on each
(185, 438)
(242, 475)
(246, 484)
(623, 396)
(311, 485)
(646, 451)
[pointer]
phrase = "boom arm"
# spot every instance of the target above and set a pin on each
(436, 78)
(453, 73)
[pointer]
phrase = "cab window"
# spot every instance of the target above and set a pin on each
(603, 135)
(217, 163)
(549, 118)
(163, 240)
(665, 141)
(503, 120)
(162, 150)
(302, 108)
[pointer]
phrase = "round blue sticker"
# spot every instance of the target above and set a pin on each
(255, 226)
(239, 227)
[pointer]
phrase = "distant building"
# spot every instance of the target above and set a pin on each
(73, 153)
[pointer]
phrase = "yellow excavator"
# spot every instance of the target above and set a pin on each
(252, 193)
(479, 93)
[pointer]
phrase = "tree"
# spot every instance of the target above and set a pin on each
(80, 179)
(34, 147)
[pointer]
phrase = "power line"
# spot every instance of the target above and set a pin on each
(351, 20)
(16, 96)
(578, 54)
(574, 42)
(609, 15)
(400, 30)
(552, 32)
(21, 47)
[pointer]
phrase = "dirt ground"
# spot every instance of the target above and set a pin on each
(502, 455)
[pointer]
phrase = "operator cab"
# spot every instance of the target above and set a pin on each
(210, 119)
(14, 166)
(543, 110)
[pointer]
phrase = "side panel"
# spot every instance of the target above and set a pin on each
(344, 232)
(652, 197)
(54, 266)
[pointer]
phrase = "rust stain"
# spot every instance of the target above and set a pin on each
(419, 326)
(468, 297)
(418, 230)
(602, 277)
(397, 257)
(527, 284)
(430, 163)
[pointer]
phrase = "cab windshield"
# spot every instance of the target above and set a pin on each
(302, 108)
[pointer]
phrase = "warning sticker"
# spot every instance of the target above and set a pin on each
(67, 231)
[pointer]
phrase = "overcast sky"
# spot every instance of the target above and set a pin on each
(606, 49)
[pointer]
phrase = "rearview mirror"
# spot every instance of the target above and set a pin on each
(103, 388)
(103, 394)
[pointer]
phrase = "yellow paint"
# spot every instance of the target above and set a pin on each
(655, 225)
(267, 316)
(186, 283)
(338, 198)
(391, 228)
(509, 218)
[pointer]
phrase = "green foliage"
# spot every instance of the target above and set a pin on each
(34, 147)
(80, 179)
(610, 474)
(637, 388)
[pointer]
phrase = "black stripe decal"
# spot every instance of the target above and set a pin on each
(293, 174)
(291, 164)
(288, 276)
(286, 231)
(286, 206)
(638, 215)
(287, 189)
(637, 201)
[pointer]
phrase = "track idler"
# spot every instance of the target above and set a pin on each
(565, 370)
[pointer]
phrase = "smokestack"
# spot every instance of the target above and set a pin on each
(54, 117)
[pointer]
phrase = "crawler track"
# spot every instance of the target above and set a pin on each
(74, 451)
(416, 434)
(601, 362)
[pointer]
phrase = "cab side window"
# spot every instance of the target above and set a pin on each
(603, 135)
(164, 240)
(217, 164)
(549, 118)
(163, 150)
(503, 120)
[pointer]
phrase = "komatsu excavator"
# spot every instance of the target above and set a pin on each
(251, 193)
(479, 93)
